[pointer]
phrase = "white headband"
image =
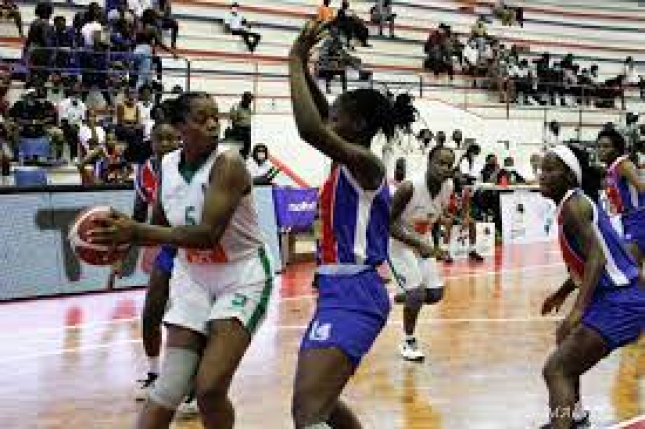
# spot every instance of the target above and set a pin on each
(567, 156)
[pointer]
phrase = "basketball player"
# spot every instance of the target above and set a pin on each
(625, 190)
(163, 140)
(222, 278)
(353, 303)
(416, 206)
(609, 310)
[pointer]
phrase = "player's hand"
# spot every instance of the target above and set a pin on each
(312, 33)
(426, 251)
(568, 324)
(553, 303)
(115, 229)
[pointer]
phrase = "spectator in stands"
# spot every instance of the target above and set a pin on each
(536, 163)
(95, 67)
(71, 114)
(325, 12)
(147, 38)
(439, 52)
(93, 25)
(479, 33)
(400, 170)
(508, 174)
(457, 139)
(381, 14)
(260, 167)
(8, 130)
(507, 14)
(241, 116)
(108, 162)
(166, 21)
(466, 164)
(333, 60)
(38, 45)
(129, 128)
(441, 138)
(9, 10)
(425, 137)
(237, 25)
(64, 43)
(91, 134)
(138, 7)
(33, 116)
(629, 70)
(351, 26)
(552, 135)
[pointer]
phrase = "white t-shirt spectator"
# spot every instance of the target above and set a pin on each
(631, 77)
(85, 134)
(234, 21)
(73, 110)
(145, 111)
(138, 6)
(88, 32)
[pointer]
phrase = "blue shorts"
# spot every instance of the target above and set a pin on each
(618, 314)
(634, 228)
(166, 259)
(351, 312)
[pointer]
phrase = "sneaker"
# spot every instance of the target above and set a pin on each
(578, 422)
(410, 351)
(145, 386)
(447, 259)
(475, 257)
(188, 407)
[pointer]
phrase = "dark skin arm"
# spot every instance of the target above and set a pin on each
(578, 218)
(230, 182)
(628, 170)
(398, 230)
(312, 127)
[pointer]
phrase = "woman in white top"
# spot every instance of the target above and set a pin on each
(222, 278)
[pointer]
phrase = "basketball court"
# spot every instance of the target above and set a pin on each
(72, 362)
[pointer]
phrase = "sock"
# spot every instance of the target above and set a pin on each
(153, 365)
(579, 412)
(472, 248)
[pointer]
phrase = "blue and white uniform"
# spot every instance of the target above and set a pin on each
(617, 309)
(146, 185)
(626, 201)
(353, 303)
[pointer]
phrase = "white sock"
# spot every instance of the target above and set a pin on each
(153, 363)
(472, 248)
(578, 411)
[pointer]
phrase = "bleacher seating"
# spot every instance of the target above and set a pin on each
(594, 32)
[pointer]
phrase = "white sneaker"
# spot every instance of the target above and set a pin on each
(145, 386)
(410, 350)
(188, 408)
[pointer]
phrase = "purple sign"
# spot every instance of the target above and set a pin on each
(295, 208)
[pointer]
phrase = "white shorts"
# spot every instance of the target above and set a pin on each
(235, 292)
(412, 271)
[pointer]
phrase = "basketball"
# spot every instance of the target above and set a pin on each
(93, 254)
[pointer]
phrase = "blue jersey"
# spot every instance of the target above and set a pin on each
(622, 195)
(355, 222)
(620, 269)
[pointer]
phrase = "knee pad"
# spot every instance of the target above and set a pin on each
(433, 295)
(176, 378)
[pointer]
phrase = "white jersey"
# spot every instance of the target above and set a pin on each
(183, 204)
(423, 210)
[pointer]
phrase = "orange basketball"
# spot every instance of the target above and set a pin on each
(93, 254)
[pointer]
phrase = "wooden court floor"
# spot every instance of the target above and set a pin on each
(72, 362)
